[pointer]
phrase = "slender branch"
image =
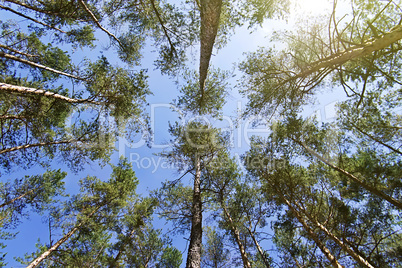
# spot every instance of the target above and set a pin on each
(32, 19)
(16, 198)
(11, 116)
(375, 139)
(47, 12)
(49, 94)
(354, 52)
(163, 26)
(39, 144)
(37, 65)
(366, 186)
(18, 52)
(98, 23)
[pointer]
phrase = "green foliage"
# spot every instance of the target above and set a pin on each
(215, 93)
(214, 253)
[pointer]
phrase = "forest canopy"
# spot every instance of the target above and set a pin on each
(75, 81)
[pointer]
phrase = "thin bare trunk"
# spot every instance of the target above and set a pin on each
(210, 15)
(98, 23)
(18, 52)
(236, 235)
(37, 65)
(51, 13)
(375, 139)
(49, 94)
(11, 116)
(194, 250)
(257, 245)
(345, 247)
(16, 198)
(369, 188)
(26, 146)
(45, 254)
(312, 235)
(163, 26)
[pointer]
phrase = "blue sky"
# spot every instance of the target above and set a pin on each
(149, 167)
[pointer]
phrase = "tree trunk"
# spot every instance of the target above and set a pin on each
(45, 254)
(257, 245)
(311, 234)
(210, 15)
(49, 94)
(354, 52)
(236, 235)
(345, 247)
(194, 250)
(26, 146)
(369, 188)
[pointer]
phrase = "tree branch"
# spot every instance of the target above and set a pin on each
(98, 24)
(32, 19)
(18, 52)
(49, 94)
(37, 65)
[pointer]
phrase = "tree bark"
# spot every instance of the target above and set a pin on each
(352, 53)
(37, 65)
(210, 15)
(312, 235)
(369, 188)
(236, 235)
(194, 250)
(259, 249)
(26, 146)
(345, 247)
(45, 254)
(49, 94)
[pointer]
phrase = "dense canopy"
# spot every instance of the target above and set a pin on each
(308, 193)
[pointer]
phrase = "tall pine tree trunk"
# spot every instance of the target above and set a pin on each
(194, 250)
(236, 235)
(311, 234)
(257, 245)
(45, 254)
(344, 246)
(210, 15)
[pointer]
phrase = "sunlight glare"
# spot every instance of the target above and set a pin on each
(311, 7)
